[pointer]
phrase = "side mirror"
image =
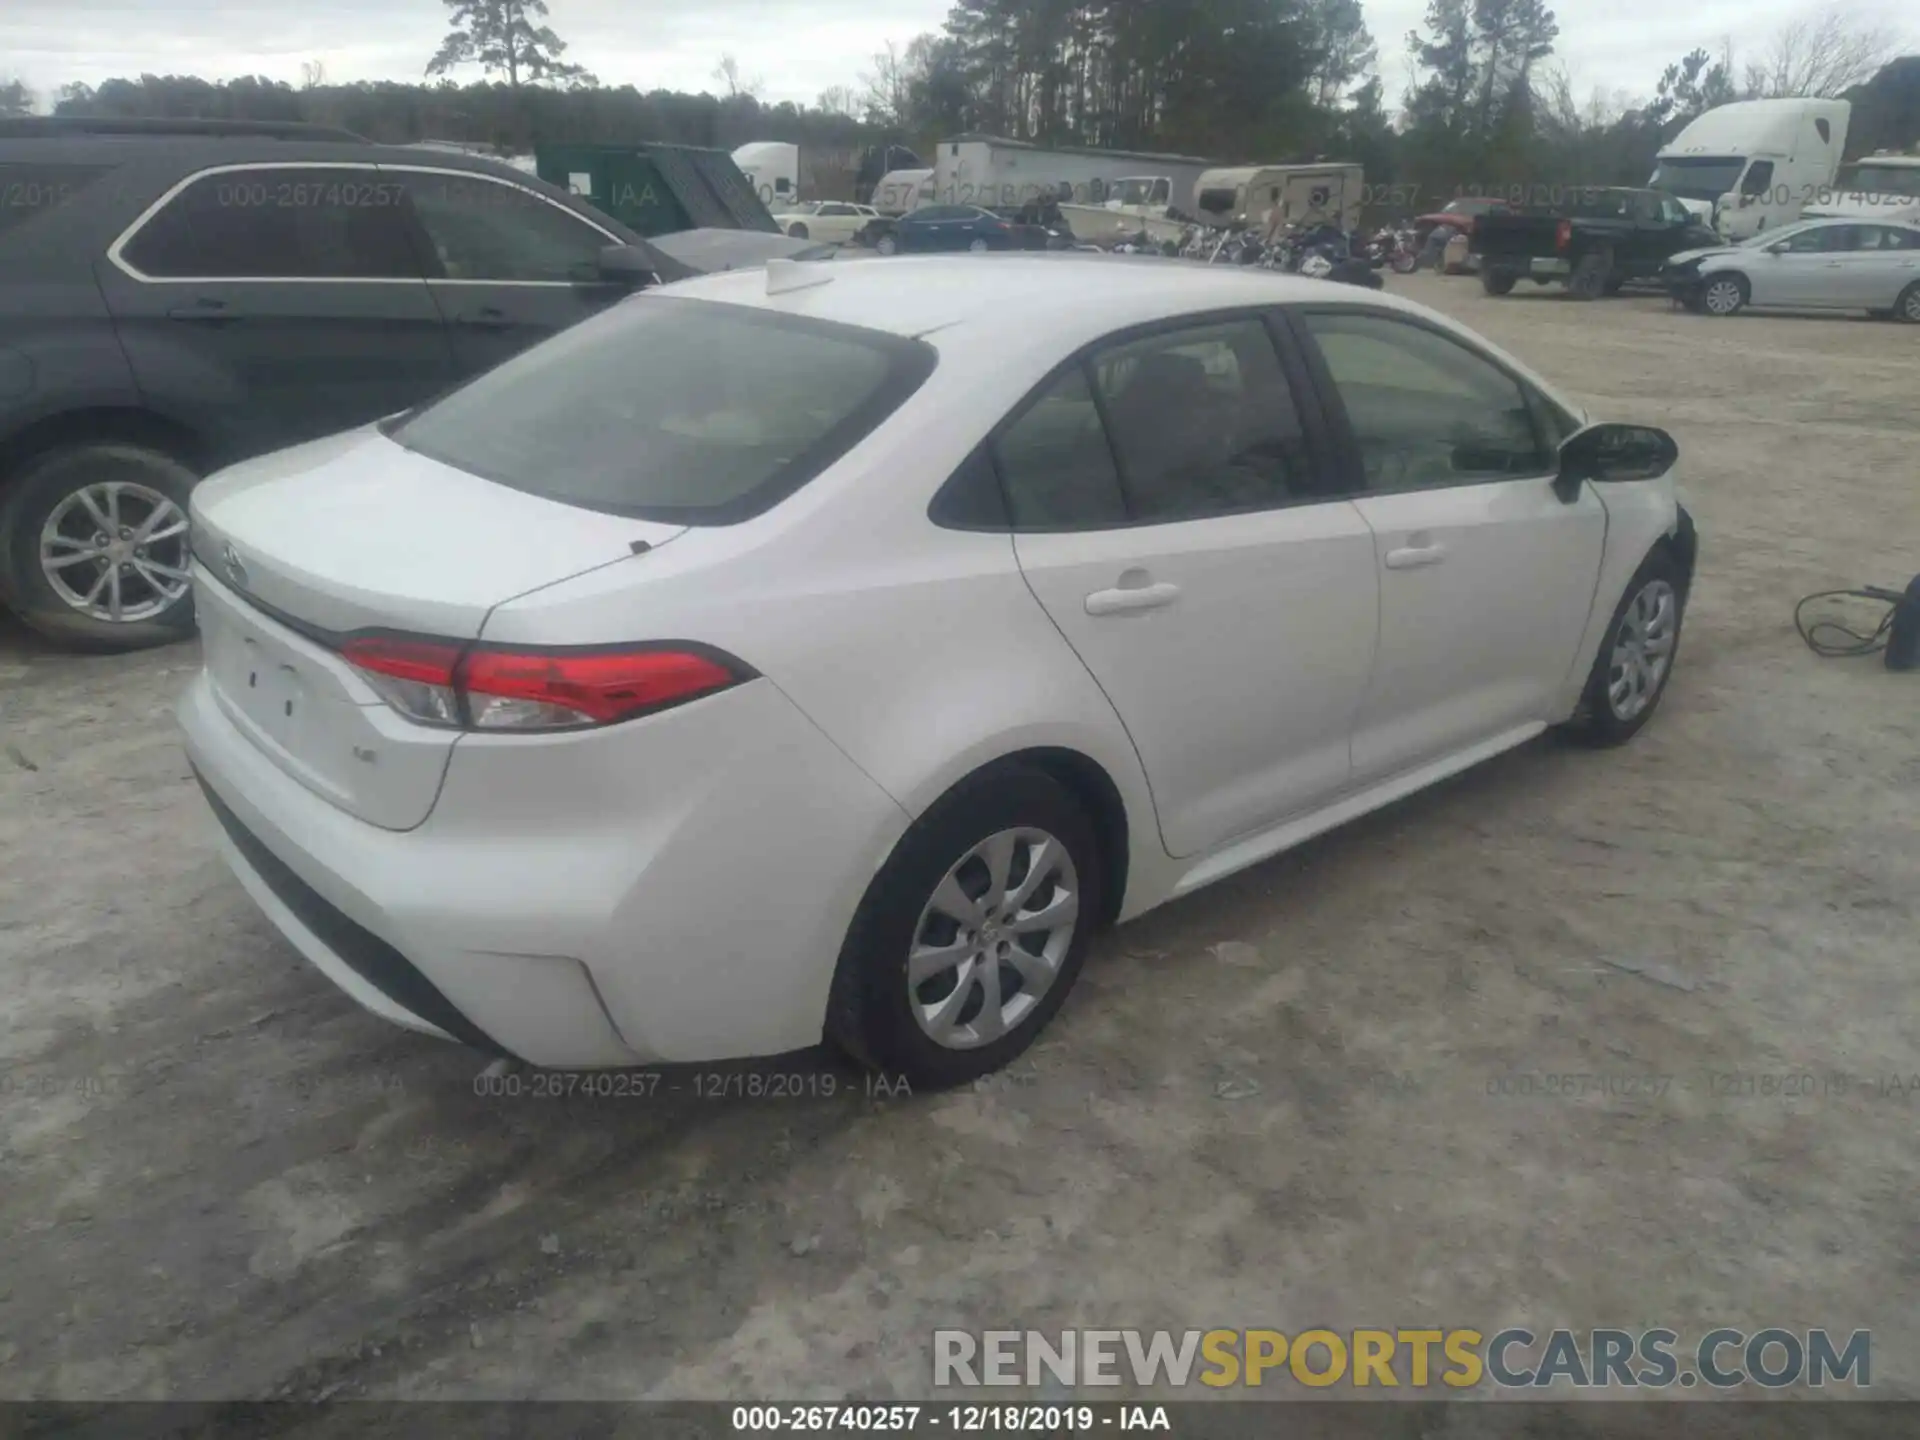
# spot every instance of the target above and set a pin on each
(626, 265)
(1611, 454)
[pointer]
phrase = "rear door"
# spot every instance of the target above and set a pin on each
(1883, 261)
(506, 265)
(266, 304)
(1486, 577)
(1174, 515)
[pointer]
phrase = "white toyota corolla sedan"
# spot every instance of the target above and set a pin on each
(825, 651)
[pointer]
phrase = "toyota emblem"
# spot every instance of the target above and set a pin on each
(230, 559)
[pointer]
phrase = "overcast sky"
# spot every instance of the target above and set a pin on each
(795, 48)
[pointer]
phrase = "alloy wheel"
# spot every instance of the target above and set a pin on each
(1723, 297)
(1642, 649)
(1910, 304)
(990, 941)
(116, 551)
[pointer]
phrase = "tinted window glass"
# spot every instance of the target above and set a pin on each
(1883, 237)
(1758, 177)
(1055, 462)
(30, 190)
(1817, 237)
(673, 409)
(484, 229)
(297, 224)
(1203, 422)
(1425, 409)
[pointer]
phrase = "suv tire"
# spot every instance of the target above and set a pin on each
(45, 519)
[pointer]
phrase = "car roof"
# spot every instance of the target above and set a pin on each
(1065, 290)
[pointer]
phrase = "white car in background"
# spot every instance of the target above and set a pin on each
(1837, 264)
(782, 656)
(834, 222)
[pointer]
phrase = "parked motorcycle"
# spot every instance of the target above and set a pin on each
(1394, 247)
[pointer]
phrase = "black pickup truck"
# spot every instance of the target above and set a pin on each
(1593, 246)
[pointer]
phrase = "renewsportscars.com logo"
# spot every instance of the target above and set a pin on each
(1722, 1359)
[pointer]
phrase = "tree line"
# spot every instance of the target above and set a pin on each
(1486, 101)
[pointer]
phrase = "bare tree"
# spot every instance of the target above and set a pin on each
(839, 100)
(313, 74)
(727, 72)
(1821, 54)
(888, 87)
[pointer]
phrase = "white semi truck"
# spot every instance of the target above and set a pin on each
(1756, 164)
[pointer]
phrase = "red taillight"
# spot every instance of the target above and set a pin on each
(602, 686)
(1563, 235)
(440, 682)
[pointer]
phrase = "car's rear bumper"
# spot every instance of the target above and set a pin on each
(678, 892)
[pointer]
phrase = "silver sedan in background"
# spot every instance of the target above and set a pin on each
(1845, 264)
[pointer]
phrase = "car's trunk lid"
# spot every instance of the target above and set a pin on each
(299, 549)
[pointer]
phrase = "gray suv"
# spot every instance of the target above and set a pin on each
(176, 296)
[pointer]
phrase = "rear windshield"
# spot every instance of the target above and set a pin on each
(673, 409)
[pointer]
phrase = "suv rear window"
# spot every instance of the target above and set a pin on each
(673, 409)
(30, 190)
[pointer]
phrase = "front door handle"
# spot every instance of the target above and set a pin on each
(488, 317)
(1411, 557)
(1124, 600)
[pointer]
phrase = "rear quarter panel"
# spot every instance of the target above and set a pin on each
(919, 651)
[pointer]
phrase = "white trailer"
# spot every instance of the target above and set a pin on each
(1755, 164)
(900, 191)
(1003, 174)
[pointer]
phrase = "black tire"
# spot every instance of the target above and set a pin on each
(1589, 278)
(1907, 307)
(1598, 722)
(887, 245)
(798, 230)
(870, 1014)
(1613, 284)
(32, 496)
(1497, 282)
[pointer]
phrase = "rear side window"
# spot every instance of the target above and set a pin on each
(1203, 422)
(1056, 464)
(274, 223)
(673, 409)
(484, 229)
(30, 190)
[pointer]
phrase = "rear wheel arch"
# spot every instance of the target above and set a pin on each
(103, 424)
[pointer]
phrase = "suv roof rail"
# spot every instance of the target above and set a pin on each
(32, 127)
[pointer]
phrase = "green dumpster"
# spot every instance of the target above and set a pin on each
(657, 189)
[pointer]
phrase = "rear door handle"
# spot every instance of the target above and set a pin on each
(1411, 557)
(487, 317)
(1124, 600)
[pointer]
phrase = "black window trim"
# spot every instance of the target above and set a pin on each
(1321, 450)
(117, 257)
(1341, 427)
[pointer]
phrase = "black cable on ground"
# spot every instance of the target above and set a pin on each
(1828, 636)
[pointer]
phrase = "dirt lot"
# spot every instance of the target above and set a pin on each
(1278, 1103)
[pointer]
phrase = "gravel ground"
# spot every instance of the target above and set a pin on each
(1282, 1102)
